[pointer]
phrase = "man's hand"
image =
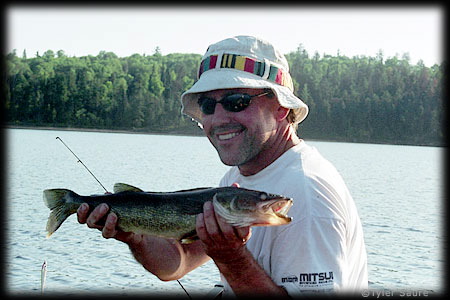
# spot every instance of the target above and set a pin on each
(225, 244)
(222, 242)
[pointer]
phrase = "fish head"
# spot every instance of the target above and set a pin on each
(243, 207)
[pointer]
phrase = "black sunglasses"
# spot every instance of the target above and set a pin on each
(233, 102)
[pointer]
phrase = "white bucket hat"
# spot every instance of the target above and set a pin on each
(243, 62)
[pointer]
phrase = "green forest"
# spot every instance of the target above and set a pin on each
(358, 99)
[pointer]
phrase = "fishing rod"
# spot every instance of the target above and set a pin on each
(43, 276)
(79, 160)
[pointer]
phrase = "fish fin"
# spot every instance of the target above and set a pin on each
(61, 208)
(189, 237)
(123, 187)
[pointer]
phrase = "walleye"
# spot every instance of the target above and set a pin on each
(172, 214)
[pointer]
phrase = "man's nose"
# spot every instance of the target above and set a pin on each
(221, 115)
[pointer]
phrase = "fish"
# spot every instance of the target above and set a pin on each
(172, 214)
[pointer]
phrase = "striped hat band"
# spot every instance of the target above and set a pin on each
(247, 64)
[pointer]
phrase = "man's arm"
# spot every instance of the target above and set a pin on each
(165, 258)
(226, 246)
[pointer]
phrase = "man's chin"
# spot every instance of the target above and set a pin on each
(229, 161)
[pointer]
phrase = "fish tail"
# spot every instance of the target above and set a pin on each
(61, 206)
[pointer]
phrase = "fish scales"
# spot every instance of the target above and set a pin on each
(154, 214)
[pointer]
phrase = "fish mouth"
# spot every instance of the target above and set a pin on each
(279, 208)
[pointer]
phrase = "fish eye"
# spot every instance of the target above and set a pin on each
(263, 196)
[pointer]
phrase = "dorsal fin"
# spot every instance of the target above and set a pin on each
(123, 187)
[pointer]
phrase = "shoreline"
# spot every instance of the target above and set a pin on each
(200, 134)
(126, 131)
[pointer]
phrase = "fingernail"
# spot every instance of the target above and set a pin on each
(113, 217)
(103, 209)
(84, 207)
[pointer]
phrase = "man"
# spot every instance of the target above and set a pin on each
(245, 103)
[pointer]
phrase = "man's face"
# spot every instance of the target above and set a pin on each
(241, 137)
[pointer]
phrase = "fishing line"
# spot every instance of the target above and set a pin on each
(184, 289)
(79, 160)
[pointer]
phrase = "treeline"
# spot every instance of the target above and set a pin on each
(359, 99)
(370, 99)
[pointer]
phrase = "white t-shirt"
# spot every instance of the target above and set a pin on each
(322, 249)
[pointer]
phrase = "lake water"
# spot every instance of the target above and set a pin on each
(398, 191)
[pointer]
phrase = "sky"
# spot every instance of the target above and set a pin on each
(126, 30)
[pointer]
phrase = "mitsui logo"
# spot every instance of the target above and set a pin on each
(310, 278)
(316, 278)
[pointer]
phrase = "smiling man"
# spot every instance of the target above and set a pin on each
(245, 103)
(244, 139)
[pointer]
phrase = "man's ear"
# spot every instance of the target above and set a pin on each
(282, 113)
